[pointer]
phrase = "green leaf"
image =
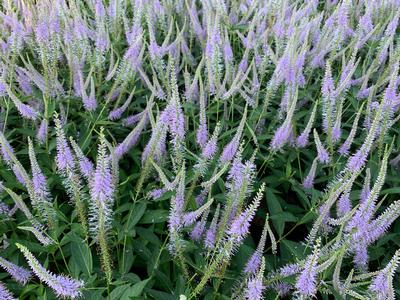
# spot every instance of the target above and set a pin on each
(137, 213)
(81, 254)
(135, 290)
(117, 293)
(284, 216)
(275, 208)
(154, 216)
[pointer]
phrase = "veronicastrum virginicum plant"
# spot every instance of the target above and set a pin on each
(190, 149)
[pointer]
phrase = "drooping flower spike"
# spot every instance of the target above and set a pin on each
(62, 286)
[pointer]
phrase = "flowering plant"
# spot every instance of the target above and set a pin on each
(219, 149)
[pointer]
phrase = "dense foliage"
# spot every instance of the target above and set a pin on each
(182, 149)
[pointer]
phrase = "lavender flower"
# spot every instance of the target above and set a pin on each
(210, 236)
(132, 138)
(323, 155)
(5, 294)
(198, 230)
(133, 119)
(19, 274)
(18, 175)
(177, 206)
(173, 117)
(4, 209)
(202, 134)
(255, 285)
(382, 284)
(63, 286)
(343, 204)
(64, 159)
(240, 225)
(85, 165)
(25, 110)
(211, 147)
(157, 193)
(117, 113)
(101, 189)
(89, 101)
(41, 135)
(230, 149)
(289, 270)
(309, 180)
(281, 136)
(254, 262)
(307, 281)
(302, 139)
(254, 289)
(41, 196)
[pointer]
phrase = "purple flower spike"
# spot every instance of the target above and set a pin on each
(254, 289)
(5, 294)
(19, 274)
(63, 286)
(65, 159)
(308, 182)
(306, 282)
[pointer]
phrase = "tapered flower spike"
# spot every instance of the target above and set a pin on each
(18, 273)
(328, 86)
(6, 150)
(202, 132)
(323, 155)
(255, 286)
(177, 204)
(190, 217)
(211, 147)
(380, 225)
(382, 284)
(17, 172)
(254, 262)
(85, 165)
(41, 197)
(239, 228)
(358, 159)
(25, 110)
(357, 227)
(41, 134)
(133, 119)
(211, 233)
(37, 231)
(302, 139)
(64, 158)
(284, 133)
(344, 148)
(117, 113)
(328, 98)
(133, 137)
(281, 136)
(289, 270)
(89, 102)
(230, 149)
(308, 182)
(366, 209)
(344, 204)
(173, 116)
(5, 294)
(198, 230)
(366, 189)
(63, 286)
(336, 130)
(306, 284)
(101, 190)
